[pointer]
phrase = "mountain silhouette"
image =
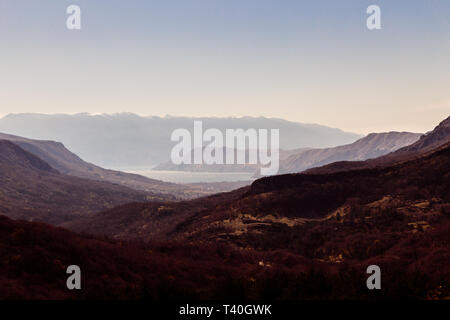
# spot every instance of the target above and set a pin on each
(128, 140)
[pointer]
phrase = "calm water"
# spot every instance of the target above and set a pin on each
(192, 177)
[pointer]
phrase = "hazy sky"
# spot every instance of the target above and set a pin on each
(306, 61)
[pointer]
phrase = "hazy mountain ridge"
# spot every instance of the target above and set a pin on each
(66, 162)
(31, 189)
(287, 199)
(303, 230)
(313, 230)
(431, 140)
(127, 140)
(371, 146)
(439, 136)
(294, 197)
(291, 161)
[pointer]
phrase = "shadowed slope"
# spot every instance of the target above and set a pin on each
(66, 162)
(287, 199)
(31, 189)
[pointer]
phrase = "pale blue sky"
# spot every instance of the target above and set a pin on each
(306, 61)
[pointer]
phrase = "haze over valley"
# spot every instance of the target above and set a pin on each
(212, 153)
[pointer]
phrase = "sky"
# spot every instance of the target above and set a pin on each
(304, 61)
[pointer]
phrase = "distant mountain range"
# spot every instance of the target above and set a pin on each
(317, 230)
(291, 161)
(129, 140)
(313, 231)
(286, 199)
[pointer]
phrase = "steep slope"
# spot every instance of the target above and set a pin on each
(372, 146)
(427, 143)
(431, 140)
(31, 189)
(287, 199)
(291, 161)
(437, 137)
(305, 231)
(129, 140)
(66, 162)
(316, 231)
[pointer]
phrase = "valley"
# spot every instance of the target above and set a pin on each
(225, 159)
(316, 230)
